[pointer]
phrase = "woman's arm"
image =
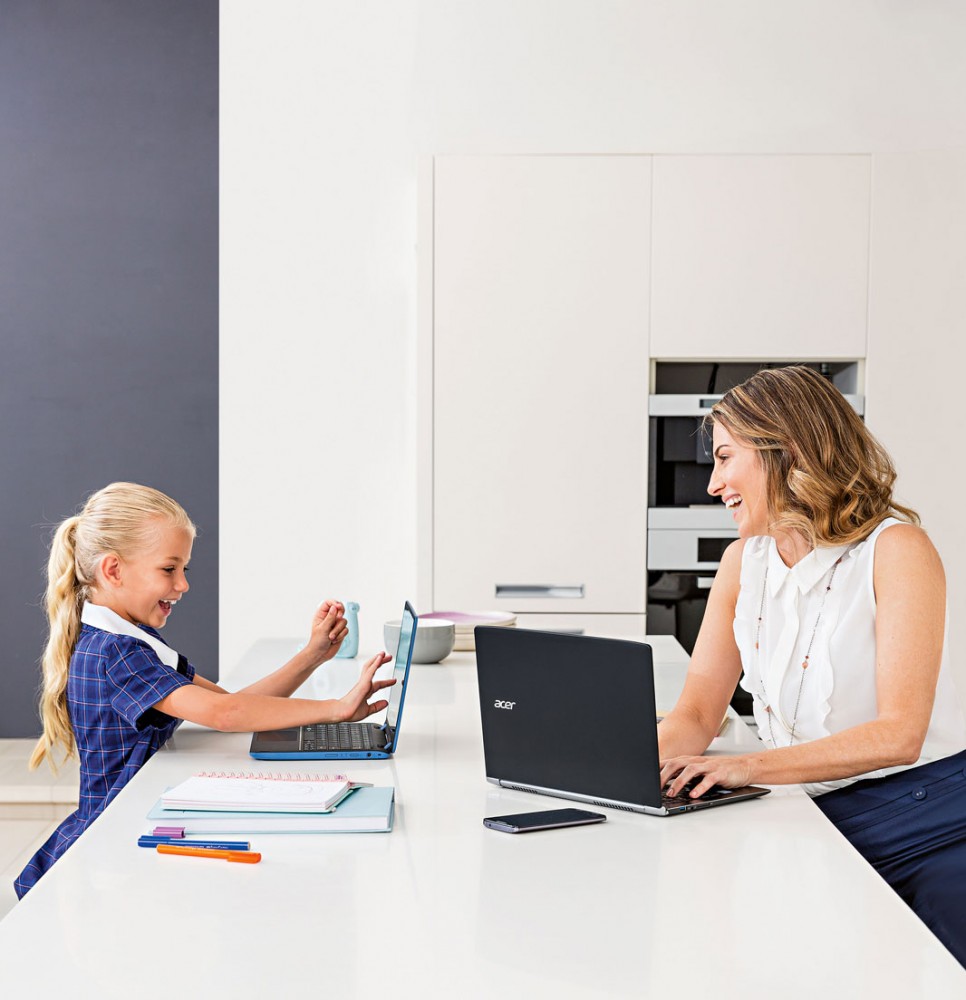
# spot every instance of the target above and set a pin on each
(910, 592)
(713, 671)
(247, 712)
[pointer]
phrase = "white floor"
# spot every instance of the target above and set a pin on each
(32, 803)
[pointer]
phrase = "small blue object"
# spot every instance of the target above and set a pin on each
(350, 644)
(147, 840)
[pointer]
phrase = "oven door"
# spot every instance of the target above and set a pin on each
(684, 548)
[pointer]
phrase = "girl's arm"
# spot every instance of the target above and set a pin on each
(910, 593)
(247, 712)
(287, 678)
(327, 632)
(713, 671)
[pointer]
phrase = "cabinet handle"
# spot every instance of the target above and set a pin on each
(525, 590)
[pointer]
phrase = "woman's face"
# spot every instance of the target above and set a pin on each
(738, 478)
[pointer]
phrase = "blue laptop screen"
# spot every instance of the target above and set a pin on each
(404, 652)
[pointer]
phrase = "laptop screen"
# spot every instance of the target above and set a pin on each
(404, 653)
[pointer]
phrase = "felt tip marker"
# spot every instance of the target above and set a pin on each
(246, 857)
(149, 840)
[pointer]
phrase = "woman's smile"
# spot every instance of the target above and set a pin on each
(738, 479)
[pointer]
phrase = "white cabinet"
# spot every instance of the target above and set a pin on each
(914, 372)
(546, 290)
(539, 390)
(760, 257)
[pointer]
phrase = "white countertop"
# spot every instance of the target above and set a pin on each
(760, 895)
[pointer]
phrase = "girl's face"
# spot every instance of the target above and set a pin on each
(738, 478)
(145, 587)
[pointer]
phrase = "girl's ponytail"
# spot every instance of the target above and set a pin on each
(64, 599)
(121, 518)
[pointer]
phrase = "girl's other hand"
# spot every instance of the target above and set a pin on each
(329, 628)
(356, 702)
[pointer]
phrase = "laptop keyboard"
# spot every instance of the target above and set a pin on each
(683, 798)
(340, 736)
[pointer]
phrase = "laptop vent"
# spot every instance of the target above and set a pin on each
(612, 805)
(591, 802)
(523, 788)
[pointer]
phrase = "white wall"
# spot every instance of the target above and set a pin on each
(325, 108)
(917, 349)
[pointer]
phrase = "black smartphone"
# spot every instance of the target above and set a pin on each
(549, 819)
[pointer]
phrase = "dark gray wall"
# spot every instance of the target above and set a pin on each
(108, 293)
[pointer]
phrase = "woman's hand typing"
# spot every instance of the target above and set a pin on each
(727, 772)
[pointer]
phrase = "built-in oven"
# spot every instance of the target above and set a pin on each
(688, 530)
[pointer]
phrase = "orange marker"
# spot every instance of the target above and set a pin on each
(248, 857)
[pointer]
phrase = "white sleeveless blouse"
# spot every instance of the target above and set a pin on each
(839, 687)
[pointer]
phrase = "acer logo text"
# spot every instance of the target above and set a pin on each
(508, 705)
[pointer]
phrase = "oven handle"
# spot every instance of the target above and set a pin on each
(518, 591)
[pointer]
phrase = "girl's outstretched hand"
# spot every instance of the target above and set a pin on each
(356, 702)
(329, 628)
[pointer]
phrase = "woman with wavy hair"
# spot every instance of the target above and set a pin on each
(830, 608)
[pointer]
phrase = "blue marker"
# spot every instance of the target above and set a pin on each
(147, 840)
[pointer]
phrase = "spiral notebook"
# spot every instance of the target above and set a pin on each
(364, 810)
(260, 791)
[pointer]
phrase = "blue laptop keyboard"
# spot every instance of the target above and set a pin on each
(341, 736)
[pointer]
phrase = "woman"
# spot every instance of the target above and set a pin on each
(830, 607)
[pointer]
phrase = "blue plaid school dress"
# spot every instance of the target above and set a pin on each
(113, 683)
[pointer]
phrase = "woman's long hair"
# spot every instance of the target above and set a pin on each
(122, 518)
(827, 478)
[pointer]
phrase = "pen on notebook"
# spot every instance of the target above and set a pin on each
(247, 857)
(148, 840)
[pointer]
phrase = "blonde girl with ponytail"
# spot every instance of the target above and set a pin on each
(114, 691)
(122, 517)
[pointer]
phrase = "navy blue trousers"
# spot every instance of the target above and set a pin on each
(911, 827)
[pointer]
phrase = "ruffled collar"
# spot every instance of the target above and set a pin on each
(806, 573)
(98, 616)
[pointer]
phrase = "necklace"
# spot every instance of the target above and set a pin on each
(808, 652)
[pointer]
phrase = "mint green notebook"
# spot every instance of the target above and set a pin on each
(366, 810)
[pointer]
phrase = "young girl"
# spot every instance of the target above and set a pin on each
(113, 691)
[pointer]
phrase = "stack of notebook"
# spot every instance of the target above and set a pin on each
(262, 802)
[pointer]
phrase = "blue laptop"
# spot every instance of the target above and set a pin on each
(348, 740)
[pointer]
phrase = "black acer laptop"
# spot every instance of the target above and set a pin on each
(574, 716)
(348, 740)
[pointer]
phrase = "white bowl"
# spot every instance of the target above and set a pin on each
(434, 639)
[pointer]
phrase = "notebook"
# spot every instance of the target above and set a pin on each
(573, 716)
(365, 810)
(348, 740)
(259, 792)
